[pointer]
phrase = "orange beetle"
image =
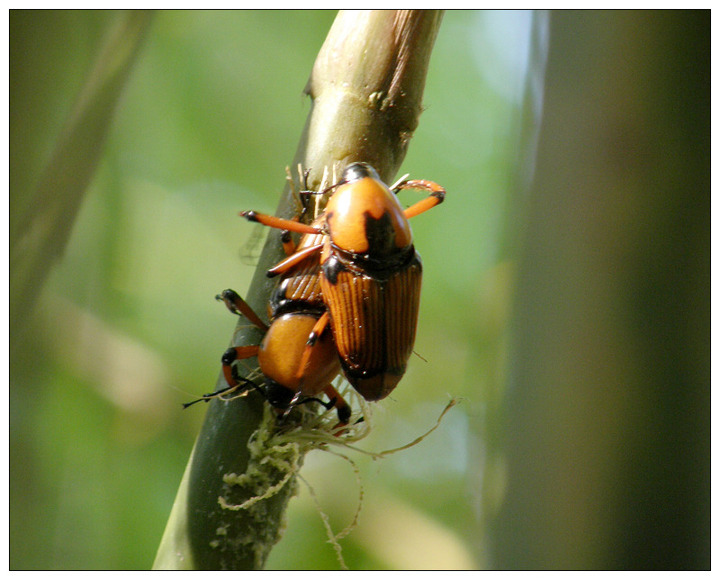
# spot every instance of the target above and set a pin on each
(370, 274)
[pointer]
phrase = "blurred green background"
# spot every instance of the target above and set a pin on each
(126, 327)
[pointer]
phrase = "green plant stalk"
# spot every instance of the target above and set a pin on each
(366, 88)
(40, 230)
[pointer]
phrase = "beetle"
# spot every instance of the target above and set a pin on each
(297, 355)
(370, 274)
(290, 377)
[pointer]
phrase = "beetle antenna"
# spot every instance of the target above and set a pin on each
(304, 176)
(245, 386)
(207, 397)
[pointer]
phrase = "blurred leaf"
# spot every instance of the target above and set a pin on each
(40, 227)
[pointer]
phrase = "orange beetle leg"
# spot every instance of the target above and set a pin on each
(230, 356)
(343, 409)
(237, 305)
(287, 243)
(315, 334)
(293, 260)
(279, 223)
(437, 196)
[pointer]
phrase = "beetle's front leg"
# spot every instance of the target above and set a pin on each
(436, 197)
(314, 336)
(279, 223)
(237, 305)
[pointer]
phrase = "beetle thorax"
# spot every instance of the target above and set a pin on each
(365, 218)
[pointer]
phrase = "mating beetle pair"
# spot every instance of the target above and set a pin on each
(348, 295)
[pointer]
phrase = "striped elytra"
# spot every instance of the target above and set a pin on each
(374, 325)
(302, 283)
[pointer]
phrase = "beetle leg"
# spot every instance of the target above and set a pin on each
(293, 260)
(279, 223)
(237, 305)
(336, 400)
(287, 243)
(343, 409)
(313, 337)
(230, 356)
(437, 196)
